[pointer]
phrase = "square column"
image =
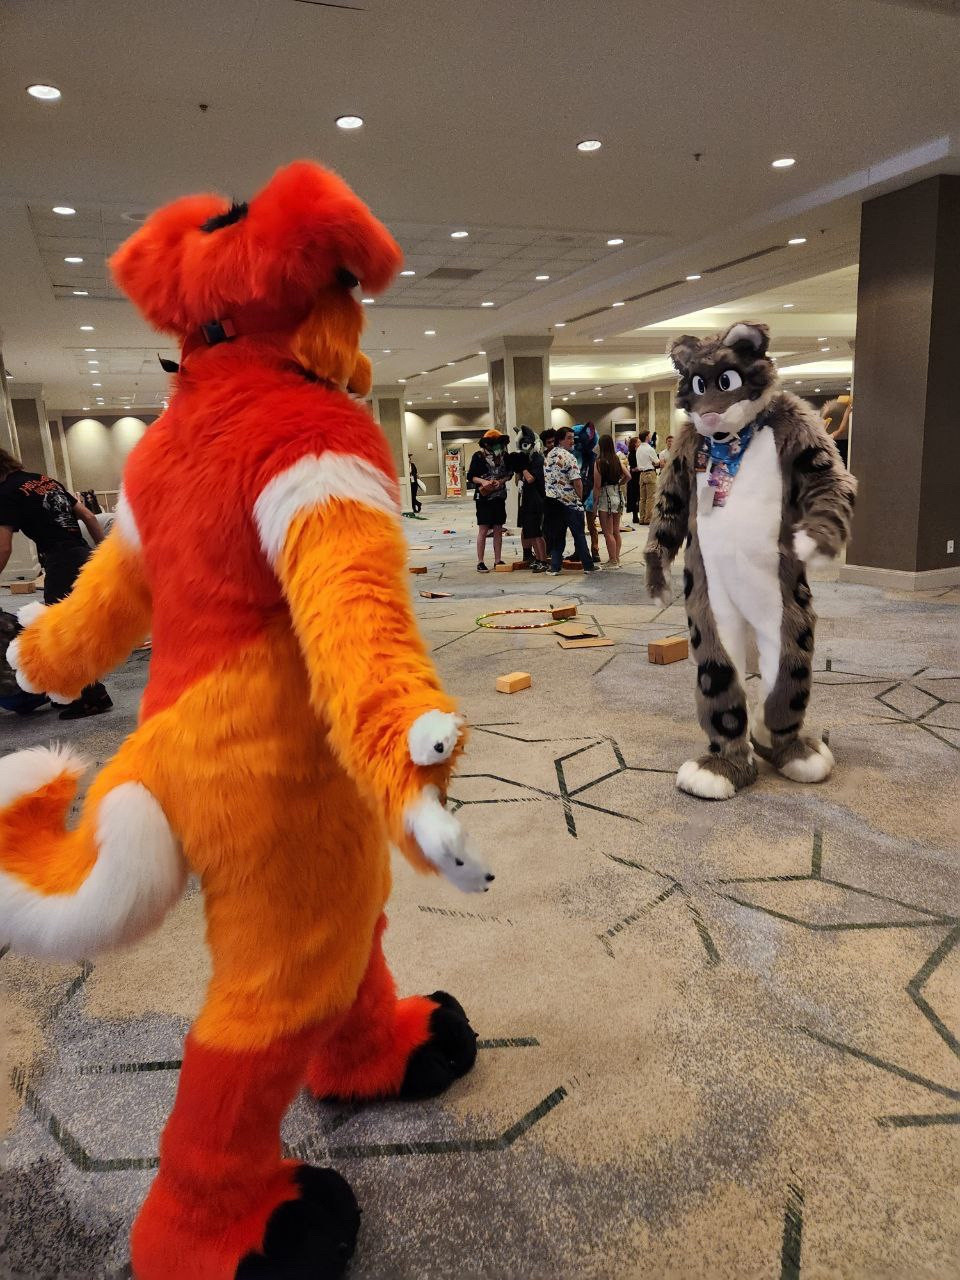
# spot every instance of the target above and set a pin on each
(519, 382)
(390, 413)
(903, 444)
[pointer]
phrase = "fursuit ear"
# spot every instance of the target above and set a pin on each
(681, 351)
(751, 339)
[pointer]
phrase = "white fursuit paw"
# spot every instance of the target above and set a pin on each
(433, 736)
(815, 767)
(29, 613)
(442, 841)
(697, 781)
(806, 550)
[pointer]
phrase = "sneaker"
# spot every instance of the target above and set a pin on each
(537, 567)
(482, 568)
(553, 573)
(80, 709)
(595, 569)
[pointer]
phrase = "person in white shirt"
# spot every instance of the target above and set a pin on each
(665, 454)
(647, 463)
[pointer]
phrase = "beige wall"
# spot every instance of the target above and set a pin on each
(422, 427)
(603, 416)
(98, 449)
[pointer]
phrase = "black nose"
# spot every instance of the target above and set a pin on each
(722, 435)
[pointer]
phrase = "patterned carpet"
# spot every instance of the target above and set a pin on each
(716, 1039)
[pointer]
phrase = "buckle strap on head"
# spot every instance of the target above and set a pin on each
(252, 318)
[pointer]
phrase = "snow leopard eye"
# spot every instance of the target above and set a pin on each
(729, 380)
(698, 384)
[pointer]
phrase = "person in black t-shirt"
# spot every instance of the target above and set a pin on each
(487, 476)
(49, 515)
(414, 485)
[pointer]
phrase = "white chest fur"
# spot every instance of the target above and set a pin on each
(749, 521)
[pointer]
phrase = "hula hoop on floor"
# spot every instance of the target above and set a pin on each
(519, 626)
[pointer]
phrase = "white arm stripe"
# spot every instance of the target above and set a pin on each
(125, 522)
(316, 480)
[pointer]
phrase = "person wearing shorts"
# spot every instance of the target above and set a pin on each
(610, 476)
(487, 477)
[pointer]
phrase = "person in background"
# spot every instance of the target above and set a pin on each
(46, 513)
(664, 455)
(633, 484)
(647, 462)
(610, 476)
(414, 485)
(487, 476)
(564, 492)
(588, 462)
(837, 415)
(532, 499)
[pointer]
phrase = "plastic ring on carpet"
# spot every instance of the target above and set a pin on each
(519, 626)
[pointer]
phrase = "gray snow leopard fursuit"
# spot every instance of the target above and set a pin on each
(755, 489)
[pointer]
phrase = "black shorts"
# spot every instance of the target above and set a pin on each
(491, 512)
(531, 517)
(61, 568)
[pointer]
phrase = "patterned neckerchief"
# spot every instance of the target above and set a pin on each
(726, 457)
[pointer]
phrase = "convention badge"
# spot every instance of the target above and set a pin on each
(700, 462)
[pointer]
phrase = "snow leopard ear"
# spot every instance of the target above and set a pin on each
(751, 339)
(681, 351)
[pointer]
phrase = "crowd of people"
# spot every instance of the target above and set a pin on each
(571, 481)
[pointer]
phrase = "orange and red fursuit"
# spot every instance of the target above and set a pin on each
(292, 731)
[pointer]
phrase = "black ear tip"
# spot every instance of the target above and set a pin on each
(490, 876)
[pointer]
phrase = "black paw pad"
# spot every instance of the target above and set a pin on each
(310, 1238)
(447, 1055)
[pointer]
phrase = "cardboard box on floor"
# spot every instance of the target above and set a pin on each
(514, 682)
(670, 649)
(580, 635)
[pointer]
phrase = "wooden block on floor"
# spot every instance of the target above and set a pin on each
(585, 642)
(418, 568)
(514, 682)
(436, 595)
(521, 564)
(670, 649)
(564, 611)
(23, 588)
(503, 568)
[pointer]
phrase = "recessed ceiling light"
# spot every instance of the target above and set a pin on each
(44, 92)
(401, 379)
(614, 241)
(598, 339)
(81, 293)
(429, 333)
(487, 304)
(349, 122)
(797, 240)
(368, 301)
(451, 362)
(86, 328)
(561, 324)
(459, 235)
(695, 276)
(785, 162)
(64, 210)
(387, 351)
(73, 259)
(589, 144)
(85, 408)
(476, 397)
(96, 384)
(409, 402)
(816, 388)
(824, 348)
(90, 349)
(598, 388)
(541, 277)
(423, 373)
(618, 304)
(408, 273)
(481, 353)
(788, 305)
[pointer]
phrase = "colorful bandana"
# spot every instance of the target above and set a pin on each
(725, 459)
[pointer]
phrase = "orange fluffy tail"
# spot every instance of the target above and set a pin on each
(69, 894)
